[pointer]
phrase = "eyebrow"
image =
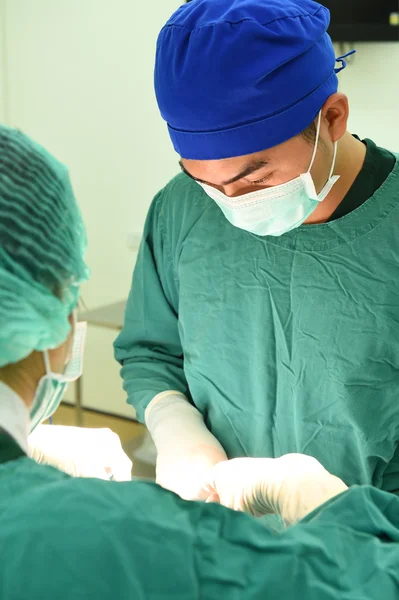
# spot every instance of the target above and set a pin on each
(252, 167)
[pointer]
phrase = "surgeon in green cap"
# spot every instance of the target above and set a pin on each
(263, 318)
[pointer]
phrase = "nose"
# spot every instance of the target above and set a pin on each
(233, 190)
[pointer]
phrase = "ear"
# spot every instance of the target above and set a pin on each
(335, 115)
(72, 322)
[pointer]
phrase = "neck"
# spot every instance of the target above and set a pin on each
(22, 381)
(350, 160)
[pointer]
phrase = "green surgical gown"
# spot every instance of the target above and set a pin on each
(286, 344)
(83, 539)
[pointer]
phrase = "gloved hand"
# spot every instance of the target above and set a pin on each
(80, 452)
(187, 450)
(291, 486)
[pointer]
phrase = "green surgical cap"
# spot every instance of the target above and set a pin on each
(42, 245)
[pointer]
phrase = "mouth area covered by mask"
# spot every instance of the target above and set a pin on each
(276, 210)
(52, 386)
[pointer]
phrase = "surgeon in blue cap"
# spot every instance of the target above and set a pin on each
(83, 538)
(263, 318)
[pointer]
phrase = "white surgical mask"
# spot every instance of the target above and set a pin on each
(52, 386)
(279, 209)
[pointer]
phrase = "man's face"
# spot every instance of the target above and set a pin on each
(243, 174)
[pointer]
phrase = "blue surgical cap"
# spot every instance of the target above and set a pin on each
(234, 77)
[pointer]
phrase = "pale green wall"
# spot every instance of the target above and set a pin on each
(80, 80)
(3, 64)
(372, 85)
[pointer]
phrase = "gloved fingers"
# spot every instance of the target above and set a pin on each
(108, 452)
(219, 476)
(224, 483)
(86, 467)
(299, 464)
(314, 493)
(203, 495)
(37, 442)
(214, 498)
(183, 482)
(92, 471)
(186, 473)
(306, 486)
(120, 468)
(46, 453)
(36, 453)
(81, 452)
(210, 486)
(75, 466)
(244, 484)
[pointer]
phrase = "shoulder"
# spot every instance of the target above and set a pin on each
(182, 199)
(176, 211)
(91, 536)
(182, 184)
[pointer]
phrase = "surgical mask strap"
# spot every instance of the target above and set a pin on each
(316, 146)
(316, 142)
(47, 362)
(46, 354)
(334, 160)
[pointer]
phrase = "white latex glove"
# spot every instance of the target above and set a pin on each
(80, 452)
(187, 450)
(291, 486)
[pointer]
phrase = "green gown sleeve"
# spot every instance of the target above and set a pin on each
(391, 474)
(149, 347)
(92, 539)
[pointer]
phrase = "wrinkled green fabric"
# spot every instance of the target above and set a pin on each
(80, 538)
(286, 344)
(42, 247)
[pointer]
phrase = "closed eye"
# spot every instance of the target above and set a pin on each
(263, 180)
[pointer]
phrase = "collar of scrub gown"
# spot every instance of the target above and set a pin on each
(14, 416)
